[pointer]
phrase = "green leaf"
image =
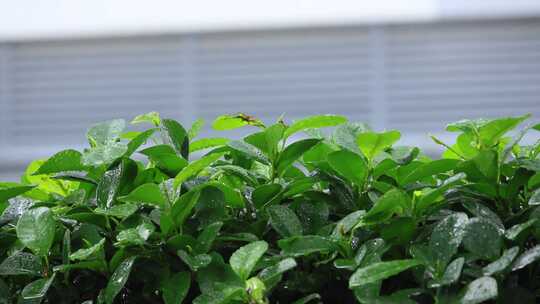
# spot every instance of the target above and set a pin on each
(207, 237)
(105, 133)
(102, 155)
(372, 143)
(273, 135)
(318, 121)
(86, 253)
(501, 263)
(526, 258)
(195, 262)
(494, 130)
(515, 230)
(466, 125)
(195, 128)
(206, 143)
(393, 201)
(184, 205)
(138, 141)
(480, 290)
(165, 158)
(175, 135)
(308, 298)
(135, 236)
(429, 169)
(13, 191)
(176, 287)
(348, 222)
(66, 246)
(21, 263)
(244, 259)
(451, 274)
(195, 168)
(256, 290)
(150, 117)
(482, 238)
(307, 244)
(404, 155)
(67, 160)
(293, 152)
(248, 176)
(284, 221)
(349, 165)
(431, 196)
(446, 238)
(36, 229)
(118, 279)
(487, 163)
(249, 150)
(120, 211)
(345, 135)
(533, 201)
(274, 271)
(111, 182)
(266, 194)
(230, 122)
(37, 290)
(146, 194)
(379, 271)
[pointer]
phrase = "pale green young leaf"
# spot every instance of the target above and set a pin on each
(317, 121)
(105, 133)
(491, 132)
(195, 128)
(150, 117)
(372, 143)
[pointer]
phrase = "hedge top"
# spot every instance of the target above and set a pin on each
(318, 210)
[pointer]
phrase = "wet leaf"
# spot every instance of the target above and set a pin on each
(36, 229)
(118, 279)
(446, 238)
(318, 121)
(21, 263)
(146, 194)
(526, 258)
(379, 271)
(480, 290)
(482, 238)
(349, 165)
(304, 245)
(176, 288)
(243, 260)
(372, 144)
(284, 221)
(501, 263)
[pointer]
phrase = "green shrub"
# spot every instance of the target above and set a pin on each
(278, 217)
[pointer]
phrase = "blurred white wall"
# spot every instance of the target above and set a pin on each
(488, 8)
(22, 19)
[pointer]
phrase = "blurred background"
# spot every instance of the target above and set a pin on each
(413, 65)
